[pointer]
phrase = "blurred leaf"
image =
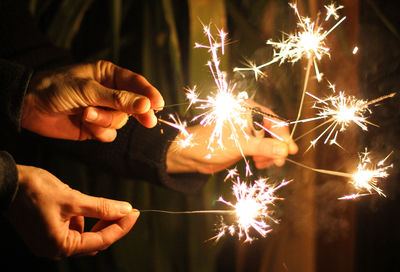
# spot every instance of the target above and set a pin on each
(66, 22)
(251, 35)
(174, 52)
(115, 21)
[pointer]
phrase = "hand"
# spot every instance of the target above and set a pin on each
(88, 101)
(49, 216)
(265, 151)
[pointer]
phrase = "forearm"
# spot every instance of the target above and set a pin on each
(138, 153)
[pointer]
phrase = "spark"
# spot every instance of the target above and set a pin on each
(184, 139)
(331, 10)
(355, 50)
(352, 196)
(308, 41)
(252, 209)
(231, 174)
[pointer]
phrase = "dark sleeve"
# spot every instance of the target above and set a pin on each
(14, 81)
(138, 153)
(8, 180)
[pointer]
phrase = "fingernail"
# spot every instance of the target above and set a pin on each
(136, 212)
(125, 208)
(279, 162)
(91, 115)
(279, 150)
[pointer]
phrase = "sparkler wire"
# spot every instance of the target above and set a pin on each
(310, 62)
(323, 171)
(192, 212)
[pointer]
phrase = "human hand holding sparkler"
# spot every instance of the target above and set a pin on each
(50, 216)
(88, 101)
(205, 157)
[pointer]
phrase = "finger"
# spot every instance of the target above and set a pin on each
(120, 100)
(293, 148)
(263, 164)
(148, 119)
(77, 223)
(279, 162)
(100, 133)
(105, 118)
(119, 78)
(102, 208)
(265, 147)
(91, 242)
(274, 125)
(101, 224)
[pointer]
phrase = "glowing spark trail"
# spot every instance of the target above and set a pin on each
(331, 10)
(252, 209)
(184, 139)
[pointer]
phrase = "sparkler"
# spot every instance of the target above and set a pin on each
(365, 179)
(252, 209)
(223, 107)
(340, 111)
(308, 41)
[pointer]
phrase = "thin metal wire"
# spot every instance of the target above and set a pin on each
(253, 109)
(191, 212)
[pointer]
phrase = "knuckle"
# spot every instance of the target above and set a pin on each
(103, 206)
(102, 64)
(121, 99)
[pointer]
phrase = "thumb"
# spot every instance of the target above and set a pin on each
(265, 147)
(102, 208)
(121, 100)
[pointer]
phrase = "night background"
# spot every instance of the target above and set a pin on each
(317, 232)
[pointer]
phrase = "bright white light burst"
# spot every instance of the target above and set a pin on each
(252, 209)
(340, 111)
(308, 41)
(369, 174)
(222, 108)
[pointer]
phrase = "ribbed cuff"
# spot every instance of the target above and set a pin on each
(8, 180)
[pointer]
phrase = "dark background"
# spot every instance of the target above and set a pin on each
(317, 232)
